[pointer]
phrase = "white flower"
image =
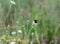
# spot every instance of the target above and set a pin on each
(19, 31)
(12, 42)
(27, 21)
(8, 26)
(33, 23)
(13, 33)
(12, 2)
(17, 22)
(31, 42)
(32, 33)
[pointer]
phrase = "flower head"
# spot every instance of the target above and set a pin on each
(17, 22)
(19, 31)
(12, 43)
(13, 33)
(32, 33)
(14, 40)
(8, 26)
(12, 2)
(19, 40)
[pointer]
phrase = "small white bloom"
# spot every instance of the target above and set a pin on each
(27, 21)
(17, 22)
(20, 31)
(12, 42)
(12, 2)
(8, 26)
(33, 23)
(32, 33)
(31, 42)
(13, 33)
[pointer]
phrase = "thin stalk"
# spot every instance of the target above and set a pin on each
(37, 37)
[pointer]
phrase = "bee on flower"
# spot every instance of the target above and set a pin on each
(34, 22)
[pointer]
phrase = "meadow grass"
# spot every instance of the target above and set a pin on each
(30, 21)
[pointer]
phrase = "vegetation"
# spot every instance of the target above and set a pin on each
(30, 21)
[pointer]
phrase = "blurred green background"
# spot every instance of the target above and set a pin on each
(19, 15)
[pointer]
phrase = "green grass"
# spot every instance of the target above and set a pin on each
(20, 16)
